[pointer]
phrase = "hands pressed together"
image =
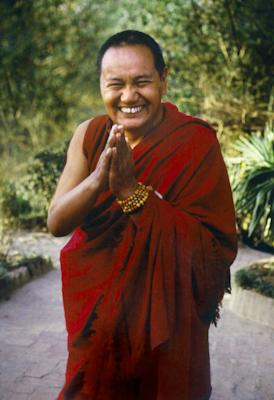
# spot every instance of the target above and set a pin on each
(73, 200)
(115, 168)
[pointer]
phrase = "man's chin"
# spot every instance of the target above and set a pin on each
(134, 128)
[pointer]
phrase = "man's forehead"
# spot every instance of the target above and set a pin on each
(128, 58)
(122, 72)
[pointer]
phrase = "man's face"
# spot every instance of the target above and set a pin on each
(131, 88)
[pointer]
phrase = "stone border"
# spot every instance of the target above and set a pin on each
(252, 305)
(22, 274)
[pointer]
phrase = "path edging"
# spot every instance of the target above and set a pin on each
(23, 274)
(252, 305)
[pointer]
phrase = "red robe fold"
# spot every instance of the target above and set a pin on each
(139, 293)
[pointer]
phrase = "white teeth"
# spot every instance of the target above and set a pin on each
(131, 110)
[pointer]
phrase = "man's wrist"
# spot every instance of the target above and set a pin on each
(136, 201)
(125, 193)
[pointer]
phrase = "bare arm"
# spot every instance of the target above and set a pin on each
(77, 190)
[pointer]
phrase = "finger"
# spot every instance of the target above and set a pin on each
(104, 160)
(124, 144)
(113, 128)
(119, 132)
(112, 136)
(114, 153)
(120, 128)
(108, 153)
(114, 161)
(116, 128)
(125, 153)
(118, 146)
(110, 142)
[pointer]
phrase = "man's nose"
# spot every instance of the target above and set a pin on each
(129, 95)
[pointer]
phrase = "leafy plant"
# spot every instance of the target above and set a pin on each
(218, 56)
(43, 173)
(24, 202)
(253, 184)
(257, 277)
(13, 202)
(3, 265)
(44, 78)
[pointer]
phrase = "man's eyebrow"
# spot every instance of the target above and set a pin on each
(111, 78)
(144, 76)
(135, 78)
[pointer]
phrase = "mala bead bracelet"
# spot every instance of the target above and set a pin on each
(136, 200)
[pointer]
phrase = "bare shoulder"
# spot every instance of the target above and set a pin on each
(76, 167)
(76, 143)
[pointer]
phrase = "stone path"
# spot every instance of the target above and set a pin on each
(33, 339)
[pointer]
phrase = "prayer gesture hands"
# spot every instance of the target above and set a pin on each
(122, 181)
(115, 167)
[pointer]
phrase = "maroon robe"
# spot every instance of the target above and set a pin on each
(140, 293)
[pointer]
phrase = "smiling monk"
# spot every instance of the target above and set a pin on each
(146, 194)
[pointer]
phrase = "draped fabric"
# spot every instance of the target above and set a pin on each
(140, 292)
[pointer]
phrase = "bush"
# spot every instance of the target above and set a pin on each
(13, 201)
(253, 185)
(258, 277)
(24, 202)
(42, 176)
(3, 266)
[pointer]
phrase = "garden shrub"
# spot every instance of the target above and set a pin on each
(13, 201)
(252, 175)
(258, 277)
(3, 265)
(24, 201)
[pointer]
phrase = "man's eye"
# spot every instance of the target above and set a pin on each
(115, 85)
(143, 83)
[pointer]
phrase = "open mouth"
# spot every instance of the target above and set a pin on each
(131, 110)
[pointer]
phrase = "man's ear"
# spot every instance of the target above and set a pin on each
(164, 80)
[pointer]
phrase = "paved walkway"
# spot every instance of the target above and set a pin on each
(33, 340)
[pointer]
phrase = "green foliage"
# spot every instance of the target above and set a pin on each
(24, 202)
(257, 277)
(253, 184)
(3, 266)
(43, 173)
(218, 54)
(48, 51)
(13, 201)
(10, 263)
